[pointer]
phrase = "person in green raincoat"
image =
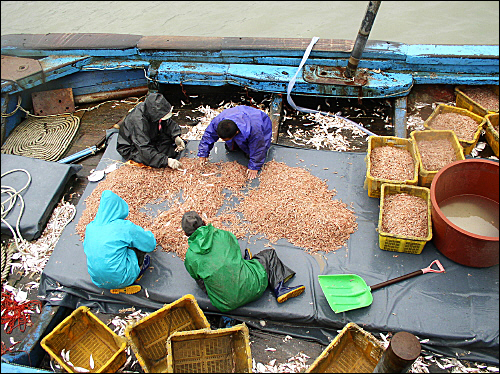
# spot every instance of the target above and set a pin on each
(115, 247)
(214, 261)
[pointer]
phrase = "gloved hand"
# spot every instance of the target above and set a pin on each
(173, 163)
(180, 144)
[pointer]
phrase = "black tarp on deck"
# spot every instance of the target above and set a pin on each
(457, 310)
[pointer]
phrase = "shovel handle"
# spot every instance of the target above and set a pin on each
(428, 269)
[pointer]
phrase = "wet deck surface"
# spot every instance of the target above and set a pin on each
(371, 113)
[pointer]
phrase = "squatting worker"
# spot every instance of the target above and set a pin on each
(242, 128)
(115, 247)
(214, 261)
(149, 136)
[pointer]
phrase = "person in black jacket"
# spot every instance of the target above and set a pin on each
(149, 136)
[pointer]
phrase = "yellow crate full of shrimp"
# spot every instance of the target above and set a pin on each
(425, 176)
(491, 132)
(401, 243)
(373, 184)
(81, 342)
(464, 100)
(467, 144)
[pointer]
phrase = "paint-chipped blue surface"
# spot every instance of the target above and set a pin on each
(392, 68)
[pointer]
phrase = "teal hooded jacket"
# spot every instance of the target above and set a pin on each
(214, 255)
(111, 262)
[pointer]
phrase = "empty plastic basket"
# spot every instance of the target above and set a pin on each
(352, 351)
(148, 337)
(82, 334)
(210, 351)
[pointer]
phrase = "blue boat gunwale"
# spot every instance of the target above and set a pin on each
(256, 63)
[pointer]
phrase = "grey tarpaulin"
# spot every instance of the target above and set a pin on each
(457, 310)
(48, 180)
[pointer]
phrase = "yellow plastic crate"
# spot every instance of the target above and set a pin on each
(83, 334)
(464, 101)
(468, 145)
(425, 176)
(490, 133)
(352, 351)
(373, 184)
(399, 243)
(148, 337)
(210, 351)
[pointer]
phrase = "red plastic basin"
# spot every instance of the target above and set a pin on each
(471, 176)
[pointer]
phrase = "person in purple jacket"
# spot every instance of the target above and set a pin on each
(242, 128)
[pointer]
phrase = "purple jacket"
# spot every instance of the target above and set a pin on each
(254, 137)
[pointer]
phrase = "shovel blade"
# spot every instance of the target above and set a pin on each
(345, 291)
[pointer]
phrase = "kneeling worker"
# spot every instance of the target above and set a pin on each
(242, 128)
(116, 248)
(214, 260)
(148, 134)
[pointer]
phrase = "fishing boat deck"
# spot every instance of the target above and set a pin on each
(375, 114)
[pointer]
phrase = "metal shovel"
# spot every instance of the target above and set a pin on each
(349, 291)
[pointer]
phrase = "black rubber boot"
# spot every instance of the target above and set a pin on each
(248, 254)
(284, 293)
(145, 265)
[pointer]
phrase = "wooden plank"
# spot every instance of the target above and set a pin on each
(220, 43)
(61, 41)
(16, 68)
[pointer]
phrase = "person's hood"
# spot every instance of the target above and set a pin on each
(201, 240)
(191, 221)
(111, 207)
(156, 106)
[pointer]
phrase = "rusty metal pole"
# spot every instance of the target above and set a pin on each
(404, 348)
(362, 38)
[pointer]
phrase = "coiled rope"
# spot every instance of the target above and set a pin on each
(7, 206)
(45, 138)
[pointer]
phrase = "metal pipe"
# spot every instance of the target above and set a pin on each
(111, 95)
(362, 38)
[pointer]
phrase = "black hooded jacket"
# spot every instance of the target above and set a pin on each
(139, 138)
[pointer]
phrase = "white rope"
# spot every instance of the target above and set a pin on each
(292, 83)
(7, 206)
(9, 203)
(34, 255)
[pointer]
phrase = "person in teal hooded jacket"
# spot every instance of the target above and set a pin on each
(113, 246)
(214, 261)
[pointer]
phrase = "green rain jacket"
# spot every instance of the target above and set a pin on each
(214, 255)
